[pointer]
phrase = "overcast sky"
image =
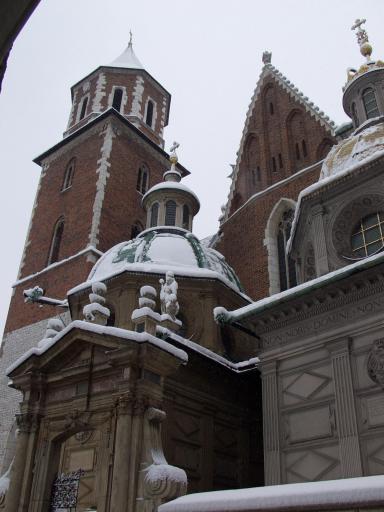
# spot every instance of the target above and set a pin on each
(207, 54)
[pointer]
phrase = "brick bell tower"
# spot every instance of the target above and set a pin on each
(90, 191)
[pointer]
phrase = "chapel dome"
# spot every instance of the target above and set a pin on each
(365, 143)
(159, 249)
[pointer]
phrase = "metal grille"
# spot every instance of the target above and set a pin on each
(65, 489)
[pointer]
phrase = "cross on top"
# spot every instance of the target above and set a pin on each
(361, 34)
(358, 24)
(174, 146)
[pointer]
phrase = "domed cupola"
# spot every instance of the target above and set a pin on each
(363, 97)
(171, 203)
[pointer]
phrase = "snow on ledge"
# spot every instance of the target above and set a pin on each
(340, 494)
(138, 337)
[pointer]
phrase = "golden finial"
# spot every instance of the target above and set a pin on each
(362, 38)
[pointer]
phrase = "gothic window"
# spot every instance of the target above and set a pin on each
(170, 213)
(185, 217)
(354, 115)
(304, 147)
(370, 104)
(154, 215)
(280, 161)
(68, 175)
(287, 270)
(274, 168)
(297, 151)
(54, 250)
(83, 108)
(142, 179)
(137, 228)
(149, 116)
(368, 236)
(117, 99)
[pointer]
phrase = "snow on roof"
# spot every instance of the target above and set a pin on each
(138, 337)
(127, 59)
(362, 492)
(171, 185)
(294, 92)
(297, 291)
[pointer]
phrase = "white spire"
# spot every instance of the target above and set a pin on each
(128, 58)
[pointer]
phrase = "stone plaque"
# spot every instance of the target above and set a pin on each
(375, 409)
(309, 424)
(81, 459)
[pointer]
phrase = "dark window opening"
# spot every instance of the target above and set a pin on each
(83, 108)
(287, 268)
(154, 215)
(170, 213)
(136, 230)
(56, 242)
(274, 168)
(271, 109)
(304, 146)
(258, 174)
(297, 151)
(117, 99)
(149, 118)
(280, 161)
(370, 104)
(142, 179)
(112, 317)
(354, 115)
(68, 175)
(185, 217)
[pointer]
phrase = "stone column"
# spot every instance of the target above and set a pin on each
(319, 244)
(345, 409)
(119, 494)
(22, 463)
(271, 434)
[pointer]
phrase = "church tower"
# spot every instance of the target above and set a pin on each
(90, 192)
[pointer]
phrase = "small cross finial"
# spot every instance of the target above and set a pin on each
(130, 38)
(362, 38)
(173, 156)
(174, 146)
(267, 57)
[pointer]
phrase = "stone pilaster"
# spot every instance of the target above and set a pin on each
(319, 244)
(350, 455)
(271, 434)
(123, 439)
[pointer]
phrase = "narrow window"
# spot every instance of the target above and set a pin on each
(258, 173)
(280, 161)
(354, 115)
(56, 242)
(117, 98)
(253, 177)
(149, 118)
(68, 175)
(297, 151)
(170, 213)
(370, 104)
(287, 269)
(142, 179)
(139, 179)
(185, 217)
(271, 109)
(83, 108)
(274, 168)
(304, 146)
(154, 214)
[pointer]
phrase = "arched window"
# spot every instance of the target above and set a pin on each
(370, 104)
(137, 228)
(154, 215)
(274, 168)
(149, 117)
(185, 217)
(367, 237)
(54, 250)
(170, 213)
(83, 108)
(355, 117)
(142, 179)
(68, 175)
(304, 147)
(117, 98)
(297, 151)
(287, 269)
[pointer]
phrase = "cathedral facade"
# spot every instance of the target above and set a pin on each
(143, 362)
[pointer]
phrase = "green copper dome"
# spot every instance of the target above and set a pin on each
(163, 248)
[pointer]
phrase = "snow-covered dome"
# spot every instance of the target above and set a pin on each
(159, 249)
(366, 143)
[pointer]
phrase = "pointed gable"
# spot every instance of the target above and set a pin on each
(284, 132)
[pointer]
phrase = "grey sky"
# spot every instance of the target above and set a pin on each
(207, 54)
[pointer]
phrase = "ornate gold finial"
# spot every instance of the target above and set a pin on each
(173, 156)
(130, 38)
(362, 38)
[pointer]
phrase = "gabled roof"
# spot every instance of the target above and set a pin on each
(267, 72)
